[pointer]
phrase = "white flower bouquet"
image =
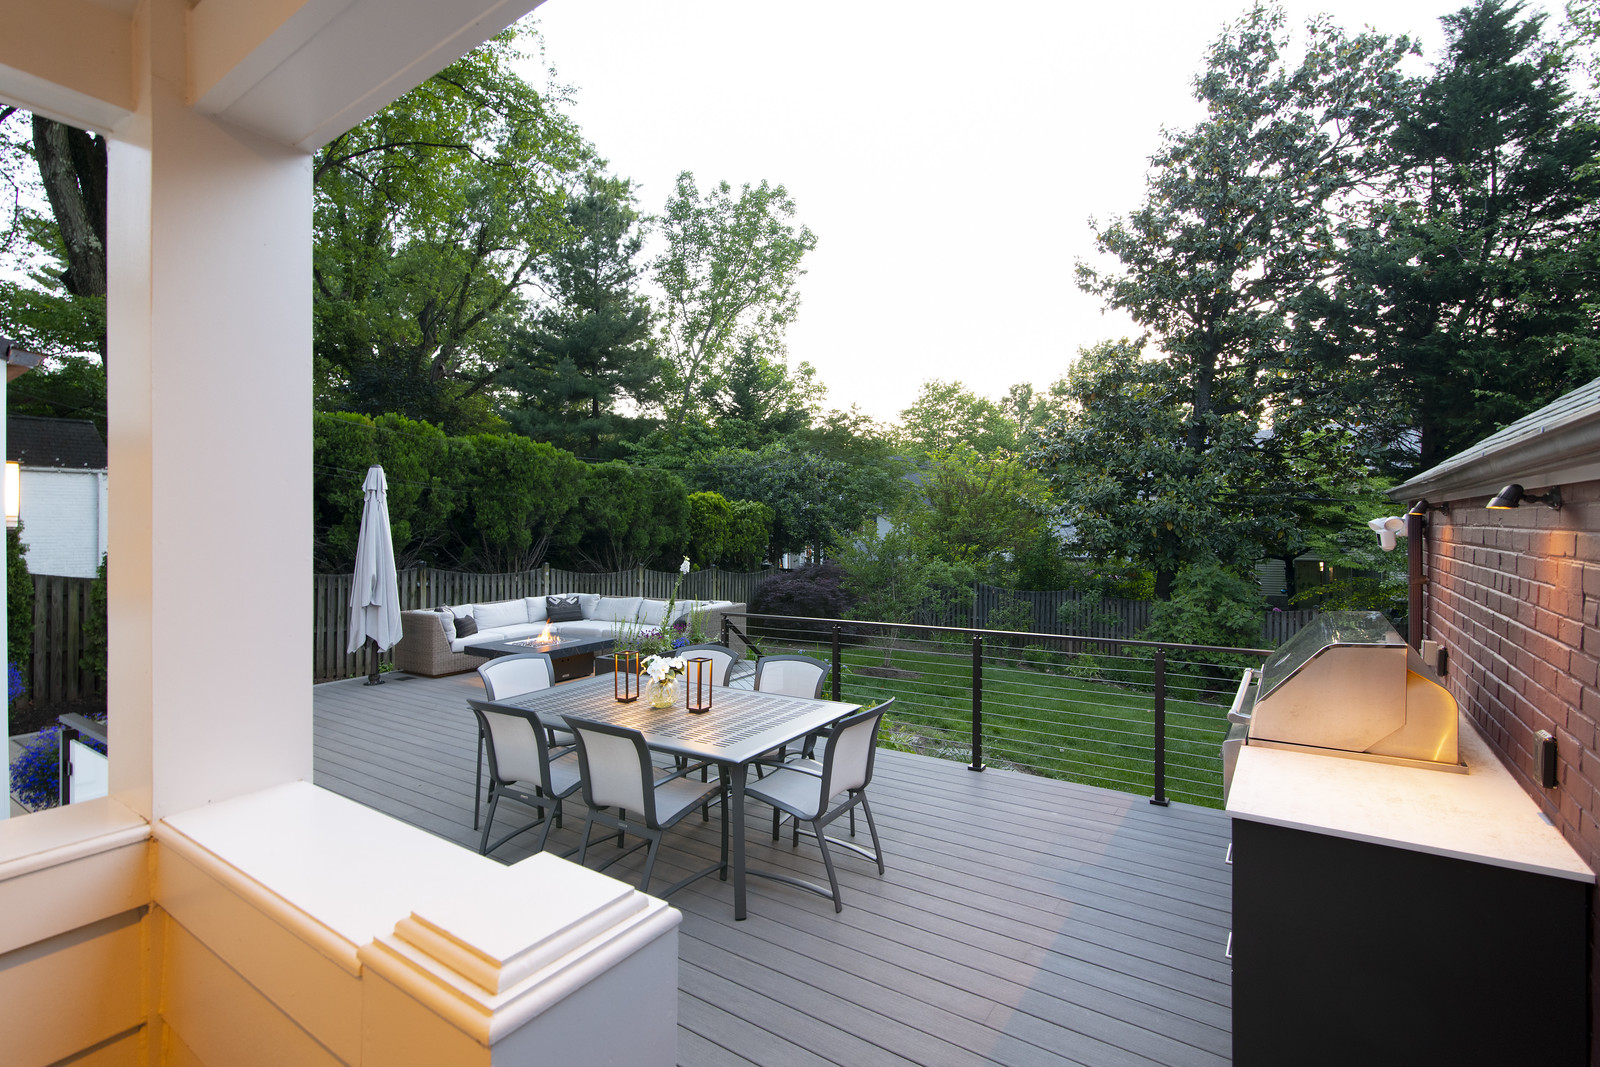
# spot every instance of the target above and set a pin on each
(661, 668)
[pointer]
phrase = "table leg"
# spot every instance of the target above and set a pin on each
(735, 815)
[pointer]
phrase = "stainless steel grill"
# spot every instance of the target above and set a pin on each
(1347, 685)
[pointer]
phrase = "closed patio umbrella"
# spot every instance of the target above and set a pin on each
(375, 592)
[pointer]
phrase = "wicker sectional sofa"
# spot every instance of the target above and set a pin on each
(429, 644)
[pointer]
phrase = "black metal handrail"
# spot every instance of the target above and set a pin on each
(1160, 649)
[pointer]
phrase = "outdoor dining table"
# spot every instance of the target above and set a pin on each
(741, 725)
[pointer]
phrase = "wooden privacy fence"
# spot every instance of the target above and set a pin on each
(60, 616)
(426, 587)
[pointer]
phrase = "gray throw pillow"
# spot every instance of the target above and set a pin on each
(466, 626)
(563, 608)
(447, 619)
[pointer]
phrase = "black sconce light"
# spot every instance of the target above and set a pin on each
(1422, 507)
(1513, 496)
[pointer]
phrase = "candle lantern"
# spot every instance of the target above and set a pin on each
(697, 693)
(625, 676)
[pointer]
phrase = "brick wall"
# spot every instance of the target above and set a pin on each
(1515, 598)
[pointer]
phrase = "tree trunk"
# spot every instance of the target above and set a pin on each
(72, 165)
(1164, 581)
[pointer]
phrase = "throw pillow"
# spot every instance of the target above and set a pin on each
(466, 626)
(563, 608)
(447, 620)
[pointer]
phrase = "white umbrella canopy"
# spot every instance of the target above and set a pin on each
(375, 592)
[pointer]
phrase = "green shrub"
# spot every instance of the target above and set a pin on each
(19, 601)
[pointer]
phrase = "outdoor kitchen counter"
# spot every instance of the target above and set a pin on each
(1482, 816)
(1387, 914)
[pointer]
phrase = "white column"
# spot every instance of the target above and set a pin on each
(209, 370)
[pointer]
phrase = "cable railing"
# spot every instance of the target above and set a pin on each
(1142, 717)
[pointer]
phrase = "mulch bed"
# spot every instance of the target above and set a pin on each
(26, 720)
(887, 672)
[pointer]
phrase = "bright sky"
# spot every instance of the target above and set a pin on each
(948, 157)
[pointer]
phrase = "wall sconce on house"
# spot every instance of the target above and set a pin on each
(1513, 496)
(13, 494)
(1422, 507)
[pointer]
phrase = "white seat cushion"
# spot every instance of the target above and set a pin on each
(503, 613)
(459, 644)
(588, 603)
(616, 609)
(536, 608)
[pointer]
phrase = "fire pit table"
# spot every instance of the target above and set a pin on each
(572, 657)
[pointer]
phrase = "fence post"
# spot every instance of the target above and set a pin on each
(836, 660)
(544, 579)
(1160, 797)
(977, 703)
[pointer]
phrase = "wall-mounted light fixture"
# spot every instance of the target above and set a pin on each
(1422, 507)
(13, 494)
(1513, 496)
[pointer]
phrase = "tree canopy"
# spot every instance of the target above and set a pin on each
(729, 282)
(430, 219)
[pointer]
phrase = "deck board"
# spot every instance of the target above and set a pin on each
(1020, 920)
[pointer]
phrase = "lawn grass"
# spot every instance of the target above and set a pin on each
(1048, 712)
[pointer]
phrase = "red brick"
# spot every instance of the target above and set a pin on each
(1591, 580)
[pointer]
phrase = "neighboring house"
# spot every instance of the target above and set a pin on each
(1512, 596)
(63, 500)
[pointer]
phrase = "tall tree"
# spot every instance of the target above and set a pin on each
(757, 398)
(729, 277)
(1477, 279)
(61, 308)
(1237, 241)
(430, 219)
(948, 414)
(592, 346)
(982, 510)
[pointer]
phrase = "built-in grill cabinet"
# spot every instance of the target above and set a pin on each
(1375, 901)
(1346, 685)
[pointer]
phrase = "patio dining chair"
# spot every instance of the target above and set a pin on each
(617, 774)
(795, 676)
(803, 790)
(721, 656)
(520, 767)
(503, 678)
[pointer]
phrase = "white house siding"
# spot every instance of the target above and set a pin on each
(64, 520)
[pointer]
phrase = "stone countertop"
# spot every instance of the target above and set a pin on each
(1482, 816)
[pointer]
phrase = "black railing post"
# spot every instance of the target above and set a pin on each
(725, 632)
(1160, 796)
(977, 703)
(838, 660)
(64, 738)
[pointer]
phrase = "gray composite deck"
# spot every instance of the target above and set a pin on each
(1021, 920)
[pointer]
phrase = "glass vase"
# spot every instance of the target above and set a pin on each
(661, 694)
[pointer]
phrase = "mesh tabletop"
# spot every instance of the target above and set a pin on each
(741, 724)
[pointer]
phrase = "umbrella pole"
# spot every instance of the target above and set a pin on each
(372, 658)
